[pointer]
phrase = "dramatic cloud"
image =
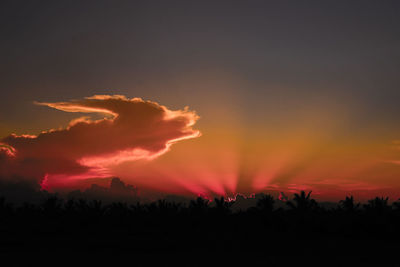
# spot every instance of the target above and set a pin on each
(131, 129)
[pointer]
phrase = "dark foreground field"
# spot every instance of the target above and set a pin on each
(202, 233)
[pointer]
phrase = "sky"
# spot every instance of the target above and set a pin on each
(203, 97)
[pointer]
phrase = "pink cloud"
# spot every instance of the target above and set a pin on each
(131, 129)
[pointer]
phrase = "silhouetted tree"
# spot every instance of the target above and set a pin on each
(221, 206)
(348, 204)
(52, 206)
(397, 205)
(266, 203)
(302, 202)
(118, 209)
(95, 208)
(200, 205)
(163, 207)
(82, 206)
(378, 205)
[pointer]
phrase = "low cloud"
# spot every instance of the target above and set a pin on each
(130, 129)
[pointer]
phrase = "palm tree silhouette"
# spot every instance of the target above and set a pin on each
(348, 204)
(222, 206)
(302, 202)
(266, 203)
(200, 205)
(162, 206)
(378, 205)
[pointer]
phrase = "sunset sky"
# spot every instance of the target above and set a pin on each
(203, 97)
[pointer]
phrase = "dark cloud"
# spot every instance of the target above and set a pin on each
(115, 190)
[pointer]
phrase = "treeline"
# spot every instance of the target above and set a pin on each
(301, 214)
(302, 227)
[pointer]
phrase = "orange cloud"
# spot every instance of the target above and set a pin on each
(131, 129)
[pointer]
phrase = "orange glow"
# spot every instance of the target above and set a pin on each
(313, 152)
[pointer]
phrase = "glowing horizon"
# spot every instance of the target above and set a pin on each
(215, 164)
(203, 98)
